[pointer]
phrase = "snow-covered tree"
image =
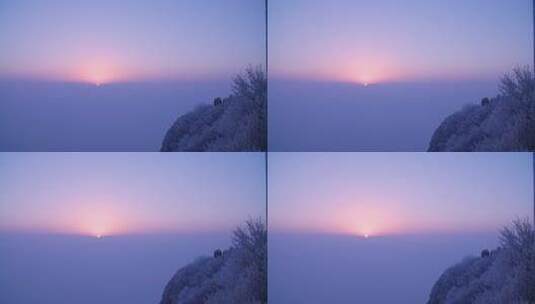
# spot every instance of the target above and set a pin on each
(252, 83)
(519, 242)
(519, 84)
(252, 241)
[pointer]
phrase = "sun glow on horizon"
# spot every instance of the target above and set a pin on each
(374, 219)
(367, 219)
(107, 219)
(99, 73)
(98, 219)
(363, 69)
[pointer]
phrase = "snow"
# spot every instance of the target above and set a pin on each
(237, 276)
(237, 124)
(506, 276)
(507, 123)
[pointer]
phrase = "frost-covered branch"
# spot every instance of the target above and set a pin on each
(251, 84)
(520, 84)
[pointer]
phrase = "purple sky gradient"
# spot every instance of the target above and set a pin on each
(370, 41)
(398, 193)
(129, 193)
(109, 41)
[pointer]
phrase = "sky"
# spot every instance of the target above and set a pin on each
(116, 41)
(381, 194)
(129, 193)
(370, 41)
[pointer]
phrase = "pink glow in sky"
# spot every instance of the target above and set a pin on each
(378, 194)
(103, 194)
(368, 41)
(108, 41)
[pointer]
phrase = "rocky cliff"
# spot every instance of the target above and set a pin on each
(235, 123)
(504, 275)
(503, 123)
(237, 275)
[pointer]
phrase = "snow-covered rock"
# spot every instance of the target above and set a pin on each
(238, 275)
(235, 123)
(503, 123)
(505, 276)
